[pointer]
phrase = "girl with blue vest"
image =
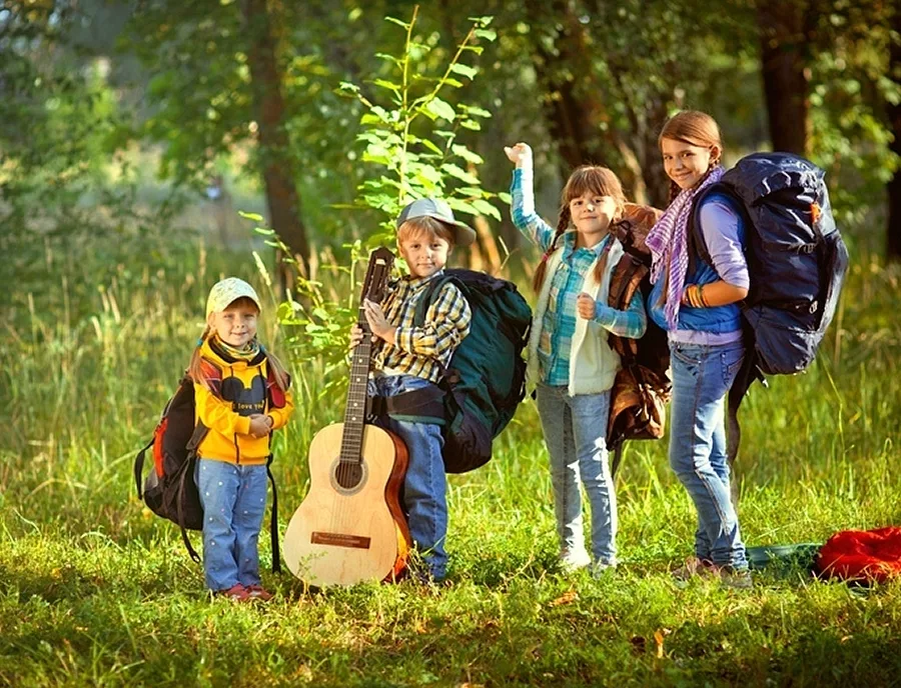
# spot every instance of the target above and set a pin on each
(697, 303)
(569, 357)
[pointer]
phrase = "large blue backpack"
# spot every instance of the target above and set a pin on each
(796, 261)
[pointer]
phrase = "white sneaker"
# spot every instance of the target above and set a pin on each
(573, 559)
(599, 568)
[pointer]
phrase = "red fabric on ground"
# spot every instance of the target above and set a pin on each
(862, 555)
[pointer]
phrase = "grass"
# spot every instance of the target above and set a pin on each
(94, 590)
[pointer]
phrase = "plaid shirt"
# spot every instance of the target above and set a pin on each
(418, 350)
(559, 323)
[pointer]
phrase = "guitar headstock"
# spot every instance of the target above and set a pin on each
(381, 260)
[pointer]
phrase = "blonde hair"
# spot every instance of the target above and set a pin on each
(695, 128)
(598, 180)
(425, 225)
(199, 376)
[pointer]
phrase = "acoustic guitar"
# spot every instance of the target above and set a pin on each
(350, 527)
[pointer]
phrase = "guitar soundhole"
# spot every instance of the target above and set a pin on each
(348, 476)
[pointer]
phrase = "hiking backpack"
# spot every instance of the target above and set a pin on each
(169, 489)
(642, 386)
(479, 392)
(796, 262)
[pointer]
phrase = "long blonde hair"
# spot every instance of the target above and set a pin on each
(198, 375)
(695, 128)
(596, 179)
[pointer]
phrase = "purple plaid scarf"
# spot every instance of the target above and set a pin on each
(669, 248)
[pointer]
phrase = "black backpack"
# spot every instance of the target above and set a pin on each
(478, 394)
(796, 262)
(169, 489)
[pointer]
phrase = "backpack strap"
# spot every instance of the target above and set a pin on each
(424, 405)
(432, 291)
(273, 521)
(139, 469)
(187, 473)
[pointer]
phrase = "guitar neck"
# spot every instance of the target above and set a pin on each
(380, 262)
(357, 394)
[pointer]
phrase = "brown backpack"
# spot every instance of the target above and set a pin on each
(642, 387)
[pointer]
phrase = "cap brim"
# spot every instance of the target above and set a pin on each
(464, 235)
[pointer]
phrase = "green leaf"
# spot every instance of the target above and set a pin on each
(432, 147)
(485, 208)
(477, 111)
(470, 124)
(391, 86)
(504, 197)
(467, 154)
(253, 217)
(468, 72)
(459, 173)
(390, 58)
(440, 108)
(487, 34)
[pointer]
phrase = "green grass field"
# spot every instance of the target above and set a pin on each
(94, 590)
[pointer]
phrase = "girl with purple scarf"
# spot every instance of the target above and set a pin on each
(697, 304)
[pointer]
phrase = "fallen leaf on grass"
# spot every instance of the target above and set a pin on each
(659, 635)
(565, 598)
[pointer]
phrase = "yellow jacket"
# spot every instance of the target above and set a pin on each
(239, 390)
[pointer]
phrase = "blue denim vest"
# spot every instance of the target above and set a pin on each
(717, 319)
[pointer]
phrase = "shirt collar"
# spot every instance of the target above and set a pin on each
(570, 238)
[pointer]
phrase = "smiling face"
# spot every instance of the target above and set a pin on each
(425, 244)
(593, 198)
(592, 213)
(685, 163)
(237, 324)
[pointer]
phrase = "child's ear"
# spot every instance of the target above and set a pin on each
(210, 320)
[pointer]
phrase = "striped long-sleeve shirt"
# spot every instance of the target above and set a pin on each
(559, 322)
(419, 350)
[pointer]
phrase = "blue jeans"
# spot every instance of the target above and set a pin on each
(575, 429)
(233, 499)
(425, 485)
(702, 375)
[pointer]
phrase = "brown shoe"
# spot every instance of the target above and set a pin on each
(236, 593)
(258, 592)
(696, 568)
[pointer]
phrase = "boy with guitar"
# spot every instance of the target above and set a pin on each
(408, 358)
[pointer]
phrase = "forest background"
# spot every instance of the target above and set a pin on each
(133, 134)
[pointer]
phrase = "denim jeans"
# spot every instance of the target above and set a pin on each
(234, 499)
(702, 375)
(575, 429)
(425, 485)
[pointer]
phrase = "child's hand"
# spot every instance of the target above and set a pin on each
(356, 336)
(519, 155)
(260, 425)
(586, 306)
(378, 323)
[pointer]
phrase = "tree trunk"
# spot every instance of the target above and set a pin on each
(266, 82)
(783, 60)
(577, 118)
(893, 243)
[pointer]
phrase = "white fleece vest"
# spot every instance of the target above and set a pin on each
(592, 363)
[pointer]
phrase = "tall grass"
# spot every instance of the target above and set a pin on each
(94, 590)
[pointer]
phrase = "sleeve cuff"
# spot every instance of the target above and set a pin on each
(242, 426)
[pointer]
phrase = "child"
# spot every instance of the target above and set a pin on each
(241, 395)
(407, 358)
(569, 356)
(697, 304)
